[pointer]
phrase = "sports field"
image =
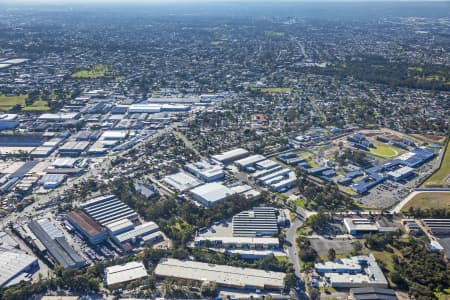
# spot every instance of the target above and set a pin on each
(442, 176)
(426, 200)
(385, 150)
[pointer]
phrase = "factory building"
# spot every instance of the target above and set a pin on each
(119, 275)
(230, 156)
(182, 181)
(53, 243)
(14, 265)
(372, 293)
(8, 121)
(227, 276)
(108, 209)
(211, 193)
(260, 221)
(206, 171)
(93, 232)
(118, 227)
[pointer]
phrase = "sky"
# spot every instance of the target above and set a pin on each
(62, 2)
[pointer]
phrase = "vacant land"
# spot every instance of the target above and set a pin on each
(97, 71)
(442, 176)
(385, 150)
(429, 200)
(8, 102)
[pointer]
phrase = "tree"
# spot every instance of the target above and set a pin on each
(331, 254)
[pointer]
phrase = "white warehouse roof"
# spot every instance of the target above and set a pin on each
(182, 181)
(221, 274)
(211, 193)
(125, 273)
(12, 263)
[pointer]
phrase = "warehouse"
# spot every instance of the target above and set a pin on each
(230, 156)
(261, 221)
(223, 275)
(118, 275)
(13, 264)
(93, 232)
(73, 148)
(438, 226)
(58, 117)
(115, 135)
(108, 209)
(206, 171)
(136, 233)
(144, 108)
(8, 121)
(51, 181)
(119, 227)
(64, 162)
(356, 271)
(211, 193)
(249, 162)
(372, 293)
(238, 242)
(182, 181)
(56, 246)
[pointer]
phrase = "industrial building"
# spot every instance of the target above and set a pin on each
(182, 181)
(53, 243)
(108, 209)
(248, 163)
(438, 226)
(119, 275)
(8, 121)
(356, 271)
(93, 232)
(258, 243)
(360, 226)
(401, 173)
(73, 148)
(14, 264)
(206, 170)
(58, 117)
(51, 181)
(139, 235)
(211, 193)
(230, 156)
(227, 276)
(372, 293)
(260, 221)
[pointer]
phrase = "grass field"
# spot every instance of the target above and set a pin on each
(38, 105)
(429, 200)
(8, 102)
(385, 150)
(441, 176)
(97, 71)
(273, 90)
